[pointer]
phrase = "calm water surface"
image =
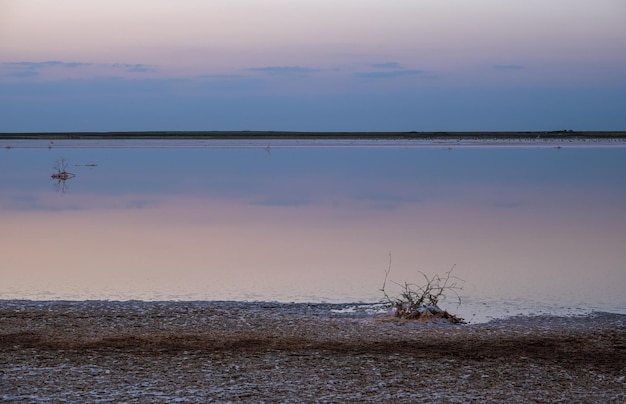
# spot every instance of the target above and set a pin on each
(530, 229)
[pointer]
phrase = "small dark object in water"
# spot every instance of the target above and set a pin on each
(63, 175)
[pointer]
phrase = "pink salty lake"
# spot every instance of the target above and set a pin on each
(530, 229)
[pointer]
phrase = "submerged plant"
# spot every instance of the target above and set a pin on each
(61, 170)
(420, 301)
(61, 175)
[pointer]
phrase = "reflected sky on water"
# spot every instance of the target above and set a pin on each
(522, 224)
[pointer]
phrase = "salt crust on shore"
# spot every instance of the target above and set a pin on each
(96, 351)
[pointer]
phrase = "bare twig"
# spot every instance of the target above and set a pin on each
(61, 175)
(415, 300)
(382, 289)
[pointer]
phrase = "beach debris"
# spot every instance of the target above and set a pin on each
(420, 302)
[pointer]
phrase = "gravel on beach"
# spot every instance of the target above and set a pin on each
(102, 351)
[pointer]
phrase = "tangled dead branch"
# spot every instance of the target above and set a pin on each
(61, 171)
(420, 302)
(61, 175)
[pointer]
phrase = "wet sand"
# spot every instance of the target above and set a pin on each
(226, 351)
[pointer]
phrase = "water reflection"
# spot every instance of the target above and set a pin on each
(315, 224)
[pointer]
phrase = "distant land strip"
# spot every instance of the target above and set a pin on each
(232, 135)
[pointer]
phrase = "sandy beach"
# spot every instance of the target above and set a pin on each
(252, 352)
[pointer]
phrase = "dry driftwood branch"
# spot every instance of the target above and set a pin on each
(421, 301)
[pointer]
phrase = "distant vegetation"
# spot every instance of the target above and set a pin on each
(248, 134)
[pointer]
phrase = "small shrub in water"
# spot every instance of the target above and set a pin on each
(420, 302)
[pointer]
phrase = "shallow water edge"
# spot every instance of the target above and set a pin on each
(226, 351)
(356, 310)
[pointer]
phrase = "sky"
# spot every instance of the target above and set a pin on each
(341, 65)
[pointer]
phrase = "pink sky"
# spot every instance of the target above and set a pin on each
(456, 39)
(348, 65)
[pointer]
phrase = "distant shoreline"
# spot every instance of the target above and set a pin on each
(290, 135)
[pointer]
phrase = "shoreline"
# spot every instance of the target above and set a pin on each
(160, 351)
(89, 324)
(296, 135)
(269, 140)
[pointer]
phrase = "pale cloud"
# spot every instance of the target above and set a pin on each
(280, 70)
(132, 68)
(42, 65)
(26, 69)
(387, 70)
(386, 74)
